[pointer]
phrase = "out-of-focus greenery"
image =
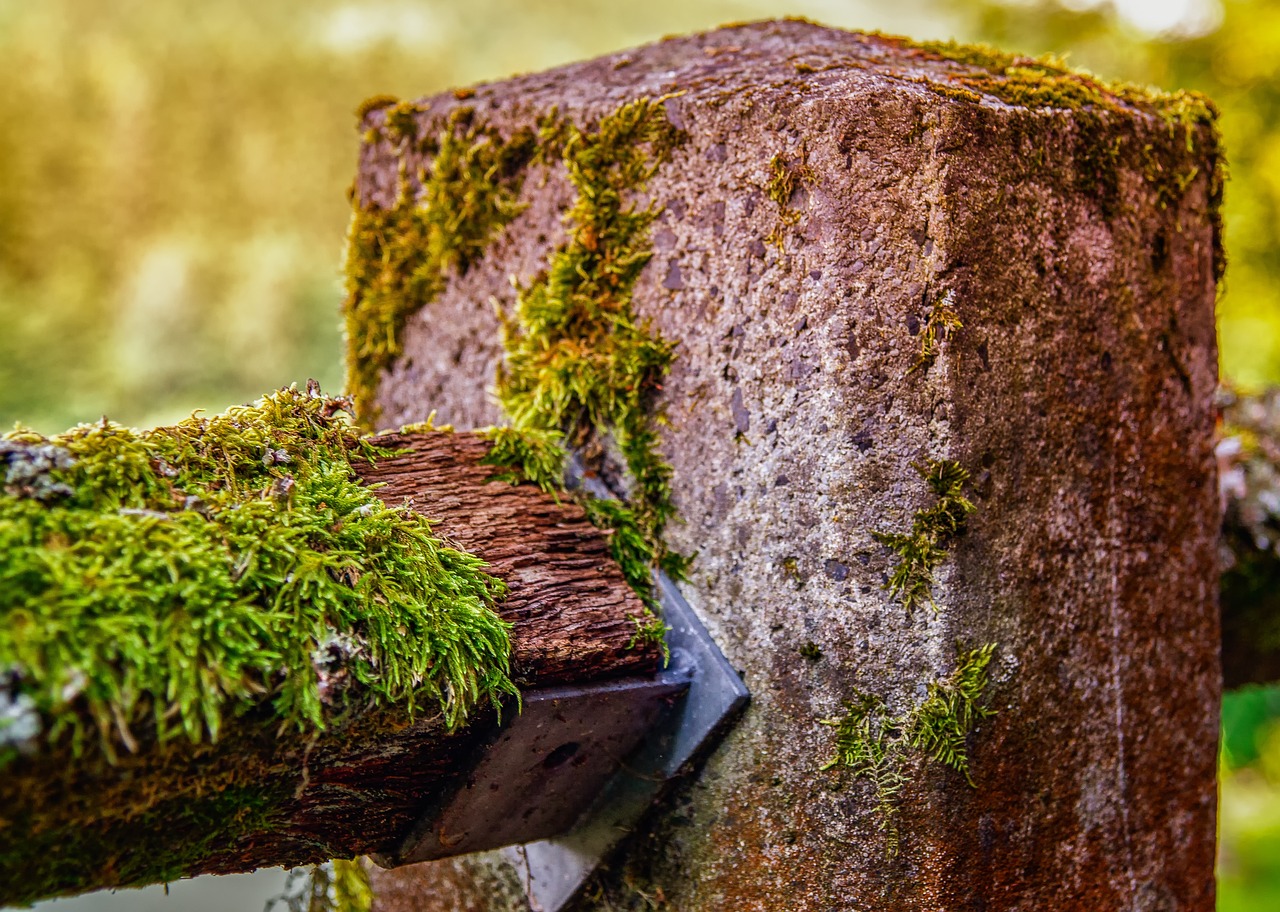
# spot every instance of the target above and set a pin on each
(172, 200)
(1249, 806)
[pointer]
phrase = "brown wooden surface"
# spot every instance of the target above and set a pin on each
(568, 601)
(358, 786)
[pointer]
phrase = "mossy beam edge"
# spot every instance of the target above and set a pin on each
(163, 581)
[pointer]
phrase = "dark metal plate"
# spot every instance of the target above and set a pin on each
(553, 870)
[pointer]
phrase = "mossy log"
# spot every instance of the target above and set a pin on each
(261, 795)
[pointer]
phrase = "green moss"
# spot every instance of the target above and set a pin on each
(637, 552)
(399, 259)
(578, 361)
(1046, 82)
(932, 531)
(156, 847)
(534, 455)
(877, 745)
(161, 581)
(940, 325)
(374, 103)
(785, 178)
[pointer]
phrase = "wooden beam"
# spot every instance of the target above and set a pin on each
(259, 798)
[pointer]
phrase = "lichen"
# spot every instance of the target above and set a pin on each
(163, 581)
(877, 745)
(399, 259)
(932, 531)
(578, 361)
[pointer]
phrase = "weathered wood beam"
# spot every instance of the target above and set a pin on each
(259, 798)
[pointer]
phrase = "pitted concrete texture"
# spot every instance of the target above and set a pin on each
(1077, 393)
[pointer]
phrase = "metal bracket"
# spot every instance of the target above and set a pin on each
(553, 870)
(544, 766)
(574, 772)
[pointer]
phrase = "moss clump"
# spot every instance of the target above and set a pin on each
(877, 745)
(932, 531)
(161, 581)
(399, 259)
(785, 178)
(940, 325)
(374, 103)
(157, 846)
(535, 455)
(578, 361)
(1046, 82)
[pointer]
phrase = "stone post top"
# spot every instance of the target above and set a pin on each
(790, 57)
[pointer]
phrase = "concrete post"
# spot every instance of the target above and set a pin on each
(872, 256)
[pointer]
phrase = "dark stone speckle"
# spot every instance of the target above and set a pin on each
(741, 416)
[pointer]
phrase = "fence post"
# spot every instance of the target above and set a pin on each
(900, 280)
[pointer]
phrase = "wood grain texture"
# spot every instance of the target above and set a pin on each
(568, 601)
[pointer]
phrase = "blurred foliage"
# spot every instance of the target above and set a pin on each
(173, 176)
(173, 179)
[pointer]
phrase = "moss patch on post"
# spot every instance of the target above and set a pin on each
(1046, 83)
(535, 455)
(877, 745)
(932, 531)
(785, 178)
(939, 327)
(161, 581)
(399, 259)
(578, 361)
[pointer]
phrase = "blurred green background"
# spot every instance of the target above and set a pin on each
(173, 179)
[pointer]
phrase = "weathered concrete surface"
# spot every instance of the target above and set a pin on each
(1078, 393)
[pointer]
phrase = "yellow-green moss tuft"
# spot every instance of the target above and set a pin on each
(932, 531)
(877, 745)
(939, 327)
(578, 361)
(535, 455)
(785, 178)
(399, 259)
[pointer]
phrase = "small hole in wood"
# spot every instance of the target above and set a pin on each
(560, 755)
